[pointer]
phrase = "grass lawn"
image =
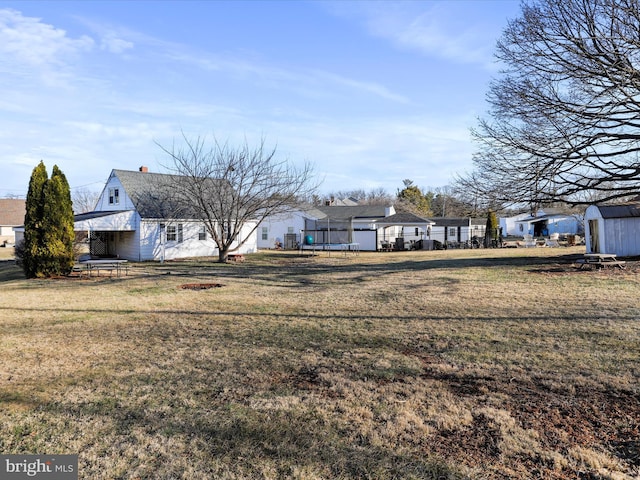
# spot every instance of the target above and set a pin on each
(480, 364)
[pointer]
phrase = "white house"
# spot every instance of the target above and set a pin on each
(403, 231)
(283, 230)
(346, 224)
(126, 224)
(12, 212)
(456, 231)
(543, 224)
(613, 229)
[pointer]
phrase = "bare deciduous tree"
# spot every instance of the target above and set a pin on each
(229, 187)
(84, 200)
(565, 113)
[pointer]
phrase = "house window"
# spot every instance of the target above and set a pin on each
(417, 232)
(174, 233)
(453, 232)
(290, 230)
(265, 233)
(114, 196)
(171, 233)
(202, 234)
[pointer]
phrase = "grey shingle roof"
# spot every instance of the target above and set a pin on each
(12, 211)
(160, 195)
(450, 222)
(80, 217)
(356, 211)
(624, 210)
(403, 218)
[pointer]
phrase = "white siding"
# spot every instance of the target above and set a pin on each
(366, 240)
(124, 202)
(620, 236)
(277, 227)
(151, 247)
(7, 234)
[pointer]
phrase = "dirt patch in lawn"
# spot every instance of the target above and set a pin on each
(582, 422)
(200, 286)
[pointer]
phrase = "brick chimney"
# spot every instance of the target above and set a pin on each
(144, 169)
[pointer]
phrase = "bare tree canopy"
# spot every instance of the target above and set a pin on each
(230, 187)
(84, 200)
(564, 119)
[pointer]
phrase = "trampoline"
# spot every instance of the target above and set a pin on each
(344, 248)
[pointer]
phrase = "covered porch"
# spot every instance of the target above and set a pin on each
(107, 234)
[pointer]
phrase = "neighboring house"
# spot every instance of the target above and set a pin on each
(403, 231)
(284, 230)
(130, 224)
(12, 212)
(456, 231)
(543, 224)
(345, 224)
(510, 227)
(613, 229)
(372, 227)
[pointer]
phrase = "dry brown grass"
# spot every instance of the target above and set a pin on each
(464, 364)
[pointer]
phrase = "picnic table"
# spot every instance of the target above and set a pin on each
(109, 264)
(600, 260)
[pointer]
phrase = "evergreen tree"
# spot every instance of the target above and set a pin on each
(491, 232)
(411, 198)
(48, 225)
(57, 221)
(33, 231)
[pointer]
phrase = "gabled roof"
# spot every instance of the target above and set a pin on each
(313, 212)
(12, 211)
(354, 211)
(156, 195)
(543, 217)
(451, 222)
(623, 210)
(403, 218)
(80, 217)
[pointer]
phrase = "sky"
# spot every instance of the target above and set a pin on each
(369, 92)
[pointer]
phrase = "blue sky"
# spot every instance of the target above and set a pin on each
(371, 93)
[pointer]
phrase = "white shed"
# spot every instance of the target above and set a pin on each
(613, 229)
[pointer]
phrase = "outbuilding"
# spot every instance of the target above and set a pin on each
(613, 229)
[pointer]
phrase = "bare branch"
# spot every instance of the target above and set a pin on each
(231, 187)
(565, 114)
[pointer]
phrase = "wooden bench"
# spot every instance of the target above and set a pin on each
(600, 260)
(107, 265)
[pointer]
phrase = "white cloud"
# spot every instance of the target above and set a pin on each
(436, 28)
(113, 44)
(29, 40)
(361, 86)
